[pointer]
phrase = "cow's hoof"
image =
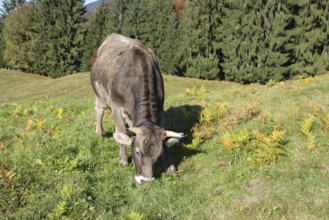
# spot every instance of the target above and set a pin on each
(171, 169)
(99, 134)
(123, 163)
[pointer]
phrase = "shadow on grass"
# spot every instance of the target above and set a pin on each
(108, 134)
(180, 119)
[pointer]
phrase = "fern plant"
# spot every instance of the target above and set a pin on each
(236, 142)
(251, 111)
(307, 124)
(271, 83)
(206, 116)
(5, 177)
(325, 120)
(201, 132)
(204, 129)
(190, 91)
(220, 109)
(311, 141)
(202, 90)
(59, 211)
(306, 128)
(132, 216)
(227, 141)
(265, 149)
(269, 147)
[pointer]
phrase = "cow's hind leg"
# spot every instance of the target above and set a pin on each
(99, 109)
(120, 127)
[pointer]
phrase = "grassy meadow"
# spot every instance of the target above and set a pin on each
(251, 152)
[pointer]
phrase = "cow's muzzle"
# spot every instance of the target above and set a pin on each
(141, 179)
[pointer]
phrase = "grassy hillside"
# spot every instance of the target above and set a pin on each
(252, 152)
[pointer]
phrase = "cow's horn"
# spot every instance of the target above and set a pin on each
(174, 134)
(135, 130)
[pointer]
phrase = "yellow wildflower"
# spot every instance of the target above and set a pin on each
(40, 123)
(26, 112)
(29, 125)
(59, 113)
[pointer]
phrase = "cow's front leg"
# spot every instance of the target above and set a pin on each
(99, 109)
(120, 127)
(168, 165)
(123, 158)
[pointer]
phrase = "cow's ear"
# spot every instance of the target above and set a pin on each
(171, 141)
(122, 138)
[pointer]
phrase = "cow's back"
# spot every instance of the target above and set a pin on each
(108, 53)
(126, 74)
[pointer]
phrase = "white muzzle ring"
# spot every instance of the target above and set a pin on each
(140, 179)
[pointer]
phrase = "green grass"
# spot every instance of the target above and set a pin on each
(52, 165)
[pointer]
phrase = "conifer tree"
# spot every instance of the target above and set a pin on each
(117, 15)
(60, 35)
(160, 33)
(151, 22)
(199, 51)
(95, 35)
(135, 20)
(228, 32)
(309, 37)
(243, 42)
(2, 43)
(252, 39)
(274, 58)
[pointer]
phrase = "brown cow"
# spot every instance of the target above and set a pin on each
(126, 78)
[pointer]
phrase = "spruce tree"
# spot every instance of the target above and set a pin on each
(309, 37)
(60, 36)
(228, 32)
(2, 44)
(135, 20)
(117, 14)
(198, 49)
(96, 33)
(252, 40)
(247, 41)
(274, 58)
(151, 22)
(160, 33)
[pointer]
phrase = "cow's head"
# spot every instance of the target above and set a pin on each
(147, 146)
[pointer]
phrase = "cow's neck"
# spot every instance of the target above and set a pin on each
(145, 120)
(146, 124)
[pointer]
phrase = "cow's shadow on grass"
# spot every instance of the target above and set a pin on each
(108, 134)
(180, 119)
